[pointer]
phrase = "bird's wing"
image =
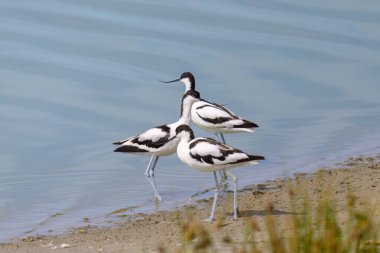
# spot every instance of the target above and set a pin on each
(153, 138)
(154, 134)
(209, 151)
(123, 141)
(205, 147)
(212, 112)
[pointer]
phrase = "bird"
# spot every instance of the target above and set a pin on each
(213, 117)
(160, 140)
(209, 155)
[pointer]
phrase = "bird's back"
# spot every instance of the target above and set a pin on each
(155, 141)
(217, 118)
(209, 155)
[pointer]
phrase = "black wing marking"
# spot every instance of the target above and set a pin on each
(130, 149)
(148, 143)
(221, 120)
(224, 150)
(246, 124)
(155, 144)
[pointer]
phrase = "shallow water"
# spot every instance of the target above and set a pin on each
(78, 75)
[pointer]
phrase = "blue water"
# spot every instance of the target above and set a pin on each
(76, 75)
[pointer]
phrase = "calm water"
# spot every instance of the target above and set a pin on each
(78, 75)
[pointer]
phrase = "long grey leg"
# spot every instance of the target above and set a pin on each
(215, 198)
(234, 180)
(222, 173)
(217, 136)
(222, 137)
(149, 173)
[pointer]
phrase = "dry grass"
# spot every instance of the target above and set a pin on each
(315, 228)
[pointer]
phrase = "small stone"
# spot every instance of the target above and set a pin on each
(65, 245)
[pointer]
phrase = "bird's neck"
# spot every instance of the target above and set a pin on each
(185, 139)
(189, 85)
(185, 112)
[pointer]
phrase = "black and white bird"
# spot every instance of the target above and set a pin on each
(159, 141)
(209, 155)
(212, 117)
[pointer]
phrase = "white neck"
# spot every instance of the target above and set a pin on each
(186, 110)
(185, 137)
(187, 83)
(183, 141)
(183, 149)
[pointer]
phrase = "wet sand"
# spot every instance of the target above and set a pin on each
(146, 232)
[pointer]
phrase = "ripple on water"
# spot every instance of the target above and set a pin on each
(78, 75)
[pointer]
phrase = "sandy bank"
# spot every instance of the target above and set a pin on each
(145, 232)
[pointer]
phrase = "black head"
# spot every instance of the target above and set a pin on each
(187, 78)
(187, 75)
(190, 77)
(184, 128)
(190, 93)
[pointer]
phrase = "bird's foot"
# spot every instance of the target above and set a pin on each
(158, 197)
(208, 220)
(223, 185)
(236, 215)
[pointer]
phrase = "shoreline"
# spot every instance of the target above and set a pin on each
(146, 232)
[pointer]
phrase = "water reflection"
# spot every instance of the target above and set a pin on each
(77, 75)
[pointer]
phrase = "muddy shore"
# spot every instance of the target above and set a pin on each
(146, 232)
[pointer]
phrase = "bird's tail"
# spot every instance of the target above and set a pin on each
(256, 157)
(122, 141)
(248, 130)
(129, 149)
